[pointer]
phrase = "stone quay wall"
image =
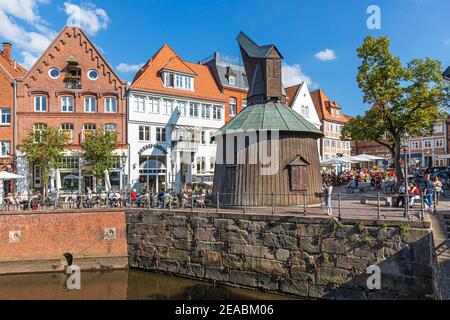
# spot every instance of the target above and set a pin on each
(309, 257)
(35, 241)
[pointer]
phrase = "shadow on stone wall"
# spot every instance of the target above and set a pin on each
(303, 256)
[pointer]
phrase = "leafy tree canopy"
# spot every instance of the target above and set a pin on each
(408, 98)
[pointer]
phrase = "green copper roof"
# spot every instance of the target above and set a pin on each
(269, 116)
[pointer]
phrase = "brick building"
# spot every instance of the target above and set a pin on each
(332, 119)
(71, 87)
(10, 70)
(229, 74)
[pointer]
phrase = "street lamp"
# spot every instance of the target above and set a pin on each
(405, 145)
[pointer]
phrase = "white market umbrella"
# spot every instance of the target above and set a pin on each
(107, 181)
(58, 180)
(371, 157)
(333, 162)
(348, 159)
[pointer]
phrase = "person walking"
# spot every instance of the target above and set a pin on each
(327, 191)
(438, 187)
(429, 190)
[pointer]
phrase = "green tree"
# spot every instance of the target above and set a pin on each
(43, 148)
(98, 151)
(408, 98)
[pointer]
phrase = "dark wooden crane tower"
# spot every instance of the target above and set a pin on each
(241, 176)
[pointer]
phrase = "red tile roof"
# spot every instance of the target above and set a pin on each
(149, 78)
(323, 106)
(291, 92)
(15, 70)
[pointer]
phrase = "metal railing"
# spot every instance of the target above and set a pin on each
(374, 206)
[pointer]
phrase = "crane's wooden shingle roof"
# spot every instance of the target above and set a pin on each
(271, 115)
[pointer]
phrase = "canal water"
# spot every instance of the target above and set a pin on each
(119, 285)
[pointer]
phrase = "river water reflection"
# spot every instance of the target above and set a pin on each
(118, 285)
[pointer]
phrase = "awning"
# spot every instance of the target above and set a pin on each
(410, 156)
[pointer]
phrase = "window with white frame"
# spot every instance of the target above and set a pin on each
(178, 81)
(326, 143)
(231, 80)
(89, 104)
(153, 106)
(440, 162)
(139, 103)
(201, 164)
(5, 149)
(38, 131)
(206, 112)
(88, 130)
(439, 143)
(37, 176)
(193, 110)
(160, 134)
(217, 113)
(183, 108)
(212, 163)
(232, 105)
(244, 103)
(415, 144)
(5, 116)
(67, 104)
(40, 103)
(144, 133)
(67, 130)
(211, 138)
(110, 127)
(110, 105)
(167, 107)
(333, 143)
(427, 144)
(304, 111)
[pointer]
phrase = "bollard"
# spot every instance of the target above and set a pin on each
(339, 206)
(378, 205)
(218, 201)
(273, 203)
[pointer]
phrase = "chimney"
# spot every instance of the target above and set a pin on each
(7, 51)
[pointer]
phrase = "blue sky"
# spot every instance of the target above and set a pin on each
(317, 38)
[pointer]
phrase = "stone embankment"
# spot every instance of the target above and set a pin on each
(310, 257)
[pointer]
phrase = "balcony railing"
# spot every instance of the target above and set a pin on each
(72, 82)
(186, 146)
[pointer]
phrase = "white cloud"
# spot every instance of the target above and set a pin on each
(28, 59)
(293, 74)
(87, 16)
(28, 40)
(129, 68)
(326, 55)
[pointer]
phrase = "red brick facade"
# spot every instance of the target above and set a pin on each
(71, 44)
(72, 88)
(238, 95)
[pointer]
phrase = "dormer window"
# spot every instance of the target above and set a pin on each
(231, 80)
(178, 81)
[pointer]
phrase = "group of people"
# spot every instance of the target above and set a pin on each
(185, 197)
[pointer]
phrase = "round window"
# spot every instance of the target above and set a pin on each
(54, 73)
(93, 74)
